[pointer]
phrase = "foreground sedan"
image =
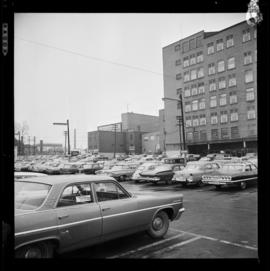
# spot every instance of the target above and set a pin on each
(56, 214)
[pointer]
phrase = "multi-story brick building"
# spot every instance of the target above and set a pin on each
(216, 73)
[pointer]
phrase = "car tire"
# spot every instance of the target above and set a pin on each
(184, 184)
(122, 178)
(37, 250)
(168, 180)
(200, 183)
(159, 225)
(243, 185)
(218, 187)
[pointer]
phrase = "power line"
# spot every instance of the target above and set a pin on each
(93, 58)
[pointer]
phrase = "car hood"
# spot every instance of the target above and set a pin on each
(154, 172)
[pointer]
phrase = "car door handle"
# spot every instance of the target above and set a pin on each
(63, 216)
(105, 209)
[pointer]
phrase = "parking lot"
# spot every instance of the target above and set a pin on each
(215, 224)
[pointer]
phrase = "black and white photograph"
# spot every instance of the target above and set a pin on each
(136, 135)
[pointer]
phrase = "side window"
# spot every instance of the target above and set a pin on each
(109, 191)
(75, 194)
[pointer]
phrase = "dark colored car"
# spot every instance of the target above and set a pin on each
(91, 168)
(163, 173)
(233, 174)
(69, 169)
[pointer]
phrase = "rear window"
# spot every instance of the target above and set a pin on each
(30, 196)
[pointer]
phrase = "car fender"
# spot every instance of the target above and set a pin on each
(54, 238)
(168, 209)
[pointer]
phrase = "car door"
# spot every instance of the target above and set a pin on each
(118, 209)
(79, 216)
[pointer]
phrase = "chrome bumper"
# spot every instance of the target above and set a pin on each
(179, 213)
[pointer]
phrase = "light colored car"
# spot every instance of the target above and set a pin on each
(192, 173)
(145, 166)
(233, 174)
(64, 213)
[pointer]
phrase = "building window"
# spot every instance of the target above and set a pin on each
(247, 58)
(212, 85)
(187, 92)
(251, 114)
(199, 57)
(248, 76)
(203, 136)
(231, 63)
(224, 133)
(202, 119)
(200, 72)
(250, 94)
(193, 59)
(187, 107)
(194, 105)
(192, 44)
(177, 47)
(223, 117)
(221, 83)
(189, 136)
(202, 104)
(194, 90)
(179, 76)
(211, 68)
(221, 66)
(246, 35)
(178, 91)
(201, 88)
(234, 115)
(186, 61)
(229, 41)
(199, 41)
(214, 118)
(232, 80)
(220, 45)
(186, 76)
(210, 48)
(214, 134)
(193, 74)
(195, 121)
(233, 97)
(213, 101)
(222, 100)
(185, 47)
(178, 62)
(145, 138)
(234, 132)
(152, 137)
(188, 121)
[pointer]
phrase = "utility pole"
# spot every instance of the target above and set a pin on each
(182, 119)
(34, 145)
(29, 149)
(65, 133)
(114, 140)
(68, 139)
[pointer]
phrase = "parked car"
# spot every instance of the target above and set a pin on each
(193, 172)
(56, 214)
(145, 166)
(69, 168)
(91, 168)
(233, 174)
(176, 161)
(120, 172)
(162, 173)
(52, 168)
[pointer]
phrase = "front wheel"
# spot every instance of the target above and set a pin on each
(218, 187)
(36, 250)
(159, 225)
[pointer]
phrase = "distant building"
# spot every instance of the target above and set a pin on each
(49, 148)
(151, 143)
(216, 73)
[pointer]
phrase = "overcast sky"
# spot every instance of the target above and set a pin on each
(90, 68)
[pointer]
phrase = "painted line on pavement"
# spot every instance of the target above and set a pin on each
(215, 239)
(166, 249)
(145, 247)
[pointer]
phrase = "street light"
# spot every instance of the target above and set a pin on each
(179, 118)
(65, 123)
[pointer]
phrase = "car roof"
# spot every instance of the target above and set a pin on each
(60, 179)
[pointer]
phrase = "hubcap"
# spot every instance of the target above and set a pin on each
(158, 223)
(33, 253)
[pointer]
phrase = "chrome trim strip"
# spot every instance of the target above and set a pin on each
(92, 219)
(232, 181)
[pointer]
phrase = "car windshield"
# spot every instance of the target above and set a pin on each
(233, 167)
(30, 196)
(119, 167)
(163, 168)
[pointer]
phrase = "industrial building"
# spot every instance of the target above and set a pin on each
(216, 75)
